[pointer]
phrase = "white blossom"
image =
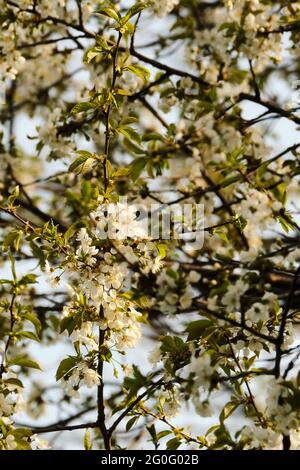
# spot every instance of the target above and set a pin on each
(162, 9)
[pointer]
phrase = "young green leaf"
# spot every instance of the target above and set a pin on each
(82, 107)
(65, 366)
(130, 133)
(140, 71)
(135, 9)
(109, 13)
(136, 167)
(24, 361)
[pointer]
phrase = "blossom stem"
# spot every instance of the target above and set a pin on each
(284, 318)
(250, 394)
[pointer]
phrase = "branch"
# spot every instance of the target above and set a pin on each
(61, 425)
(284, 318)
(153, 111)
(250, 394)
(270, 106)
(49, 41)
(133, 404)
(233, 322)
(170, 70)
(64, 428)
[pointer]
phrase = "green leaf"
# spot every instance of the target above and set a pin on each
(28, 334)
(86, 191)
(34, 320)
(85, 153)
(230, 180)
(65, 366)
(173, 444)
(162, 249)
(133, 384)
(212, 429)
(38, 252)
(13, 239)
(240, 221)
(222, 235)
(15, 382)
(131, 423)
(223, 438)
(196, 328)
(39, 146)
(230, 26)
(152, 431)
(134, 10)
(137, 166)
(70, 232)
(110, 13)
(87, 165)
(28, 279)
(121, 172)
(105, 354)
(22, 432)
(128, 120)
(121, 92)
(22, 444)
(233, 157)
(130, 134)
(140, 71)
(171, 344)
(82, 107)
(152, 136)
(82, 163)
(163, 434)
(102, 43)
(280, 192)
(93, 52)
(14, 194)
(6, 281)
(24, 361)
(228, 410)
(132, 148)
(261, 170)
(284, 224)
(69, 323)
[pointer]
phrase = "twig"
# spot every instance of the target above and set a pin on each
(284, 318)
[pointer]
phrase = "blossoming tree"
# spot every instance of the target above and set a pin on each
(148, 101)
